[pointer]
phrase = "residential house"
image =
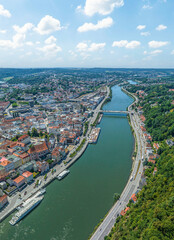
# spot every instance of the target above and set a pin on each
(25, 157)
(3, 201)
(19, 181)
(38, 151)
(26, 167)
(28, 176)
(8, 165)
(133, 198)
(3, 173)
(24, 139)
(57, 154)
(16, 160)
(156, 146)
(42, 166)
(3, 185)
(123, 212)
(155, 171)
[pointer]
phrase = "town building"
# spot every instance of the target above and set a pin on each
(3, 201)
(19, 181)
(28, 176)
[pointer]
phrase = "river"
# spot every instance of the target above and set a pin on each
(74, 206)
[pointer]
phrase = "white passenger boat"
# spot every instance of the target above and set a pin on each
(25, 210)
(63, 174)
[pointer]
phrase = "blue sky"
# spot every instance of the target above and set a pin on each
(87, 33)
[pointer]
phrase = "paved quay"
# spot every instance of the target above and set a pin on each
(131, 186)
(15, 200)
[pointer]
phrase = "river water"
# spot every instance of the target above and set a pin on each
(74, 206)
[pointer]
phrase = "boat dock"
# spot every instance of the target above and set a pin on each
(93, 137)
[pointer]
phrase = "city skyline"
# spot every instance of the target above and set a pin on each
(86, 33)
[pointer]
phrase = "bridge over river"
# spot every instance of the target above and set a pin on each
(113, 111)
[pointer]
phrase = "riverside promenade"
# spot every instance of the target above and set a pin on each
(15, 200)
(132, 184)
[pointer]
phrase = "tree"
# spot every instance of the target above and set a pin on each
(40, 134)
(116, 197)
(14, 105)
(45, 177)
(34, 132)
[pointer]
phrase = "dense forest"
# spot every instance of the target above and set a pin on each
(152, 216)
(158, 110)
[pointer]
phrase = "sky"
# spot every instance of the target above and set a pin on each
(87, 33)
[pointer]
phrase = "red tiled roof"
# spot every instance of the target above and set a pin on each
(133, 197)
(3, 197)
(19, 179)
(123, 212)
(27, 174)
(5, 163)
(152, 161)
(38, 148)
(23, 137)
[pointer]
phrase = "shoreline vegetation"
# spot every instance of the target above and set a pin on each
(78, 148)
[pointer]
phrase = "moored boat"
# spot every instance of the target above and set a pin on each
(63, 174)
(25, 210)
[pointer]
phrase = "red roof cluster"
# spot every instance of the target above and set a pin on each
(38, 148)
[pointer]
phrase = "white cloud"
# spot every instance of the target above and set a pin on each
(102, 7)
(126, 44)
(3, 31)
(172, 52)
(121, 43)
(79, 8)
(72, 53)
(148, 7)
(161, 27)
(155, 52)
(19, 37)
(133, 44)
(29, 53)
(6, 44)
(4, 12)
(157, 44)
(24, 29)
(47, 25)
(29, 43)
(141, 27)
(96, 46)
(145, 34)
(17, 41)
(50, 40)
(50, 49)
(83, 47)
(104, 23)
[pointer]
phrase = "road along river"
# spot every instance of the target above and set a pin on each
(72, 207)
